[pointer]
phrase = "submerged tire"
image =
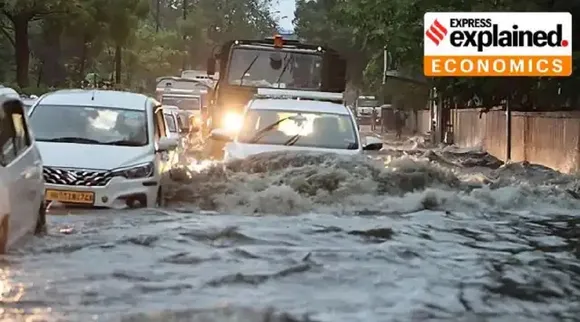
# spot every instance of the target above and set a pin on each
(4, 229)
(41, 220)
(159, 200)
(215, 150)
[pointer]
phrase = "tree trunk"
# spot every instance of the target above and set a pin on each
(21, 50)
(83, 60)
(118, 63)
(53, 72)
(356, 64)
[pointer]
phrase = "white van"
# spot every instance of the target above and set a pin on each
(102, 148)
(291, 120)
(171, 114)
(22, 208)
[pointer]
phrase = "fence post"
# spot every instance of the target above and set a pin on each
(508, 130)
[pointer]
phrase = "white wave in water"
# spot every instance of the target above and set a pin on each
(293, 183)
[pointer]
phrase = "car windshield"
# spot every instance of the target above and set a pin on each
(184, 103)
(171, 124)
(306, 129)
(88, 124)
(275, 68)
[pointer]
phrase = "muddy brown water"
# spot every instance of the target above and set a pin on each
(432, 235)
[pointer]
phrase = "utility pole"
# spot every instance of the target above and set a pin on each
(185, 54)
(158, 16)
(508, 129)
(385, 64)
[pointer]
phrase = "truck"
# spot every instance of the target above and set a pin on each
(364, 106)
(189, 95)
(200, 75)
(246, 65)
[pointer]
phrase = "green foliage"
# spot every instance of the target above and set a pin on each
(69, 39)
(367, 26)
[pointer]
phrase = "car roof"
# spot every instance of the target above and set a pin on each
(170, 108)
(28, 101)
(102, 98)
(9, 92)
(283, 104)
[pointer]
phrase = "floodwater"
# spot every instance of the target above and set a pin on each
(406, 234)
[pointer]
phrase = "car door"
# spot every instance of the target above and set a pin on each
(23, 169)
(28, 156)
(160, 127)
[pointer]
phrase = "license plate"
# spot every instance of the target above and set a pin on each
(70, 196)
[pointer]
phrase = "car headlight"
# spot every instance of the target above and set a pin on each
(145, 170)
(232, 122)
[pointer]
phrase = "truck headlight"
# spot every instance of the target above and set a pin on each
(232, 121)
(144, 170)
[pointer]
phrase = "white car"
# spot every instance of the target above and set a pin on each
(289, 120)
(8, 92)
(102, 148)
(22, 208)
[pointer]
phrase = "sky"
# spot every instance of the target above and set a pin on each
(286, 8)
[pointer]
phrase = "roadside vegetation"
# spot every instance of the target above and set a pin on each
(58, 43)
(362, 28)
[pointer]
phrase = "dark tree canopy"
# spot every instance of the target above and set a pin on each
(364, 27)
(57, 43)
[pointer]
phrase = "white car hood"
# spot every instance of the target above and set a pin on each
(236, 150)
(91, 156)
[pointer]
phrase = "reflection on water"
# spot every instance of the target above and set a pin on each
(434, 237)
(10, 292)
(14, 305)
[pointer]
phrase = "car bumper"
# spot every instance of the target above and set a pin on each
(118, 193)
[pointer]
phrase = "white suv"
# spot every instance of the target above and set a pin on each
(291, 120)
(102, 148)
(22, 208)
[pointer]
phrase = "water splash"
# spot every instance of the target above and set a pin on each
(391, 181)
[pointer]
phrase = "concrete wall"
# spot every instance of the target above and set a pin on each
(548, 138)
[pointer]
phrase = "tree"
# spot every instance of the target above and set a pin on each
(212, 22)
(20, 13)
(322, 22)
(56, 43)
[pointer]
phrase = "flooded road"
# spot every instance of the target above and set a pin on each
(409, 234)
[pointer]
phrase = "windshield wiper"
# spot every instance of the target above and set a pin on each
(293, 140)
(247, 69)
(284, 69)
(266, 129)
(71, 139)
(124, 143)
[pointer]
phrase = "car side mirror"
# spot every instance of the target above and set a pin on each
(220, 135)
(210, 66)
(166, 144)
(373, 144)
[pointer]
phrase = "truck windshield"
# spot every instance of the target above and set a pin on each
(367, 102)
(275, 68)
(184, 103)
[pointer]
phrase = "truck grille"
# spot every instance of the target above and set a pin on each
(72, 177)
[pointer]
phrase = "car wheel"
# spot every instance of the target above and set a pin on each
(159, 201)
(4, 229)
(41, 220)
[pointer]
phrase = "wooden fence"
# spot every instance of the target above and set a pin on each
(551, 139)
